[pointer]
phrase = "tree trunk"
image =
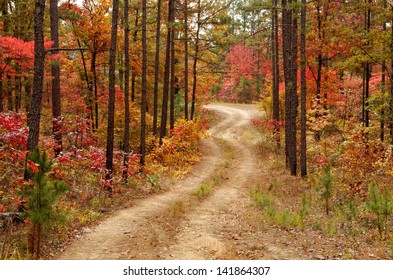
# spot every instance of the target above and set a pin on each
(34, 114)
(186, 59)
(55, 68)
(126, 139)
(383, 82)
(391, 82)
(89, 85)
(4, 12)
(317, 134)
(111, 101)
(173, 79)
(121, 70)
(275, 74)
(10, 99)
(95, 90)
(383, 89)
(303, 89)
(144, 85)
(366, 74)
(28, 93)
(164, 110)
(34, 240)
(157, 68)
(367, 71)
(290, 47)
(194, 67)
(366, 94)
(18, 94)
(135, 39)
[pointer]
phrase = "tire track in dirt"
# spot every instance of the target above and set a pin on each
(202, 237)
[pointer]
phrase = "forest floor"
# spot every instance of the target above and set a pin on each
(209, 214)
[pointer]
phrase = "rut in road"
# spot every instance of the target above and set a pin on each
(203, 231)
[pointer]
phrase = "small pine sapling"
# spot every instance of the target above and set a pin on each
(381, 204)
(41, 195)
(326, 181)
(303, 211)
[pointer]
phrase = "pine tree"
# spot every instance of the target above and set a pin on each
(41, 197)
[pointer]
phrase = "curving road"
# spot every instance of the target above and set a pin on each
(213, 228)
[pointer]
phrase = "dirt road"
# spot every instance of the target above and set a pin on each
(176, 224)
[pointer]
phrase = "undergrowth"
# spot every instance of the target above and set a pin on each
(82, 167)
(347, 194)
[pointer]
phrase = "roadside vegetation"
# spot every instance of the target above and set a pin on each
(346, 197)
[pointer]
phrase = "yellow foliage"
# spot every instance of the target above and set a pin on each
(181, 147)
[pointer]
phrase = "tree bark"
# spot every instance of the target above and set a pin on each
(186, 59)
(164, 110)
(194, 67)
(126, 139)
(135, 38)
(391, 82)
(157, 68)
(89, 85)
(317, 134)
(93, 69)
(111, 101)
(34, 241)
(290, 47)
(55, 69)
(18, 94)
(367, 70)
(366, 91)
(173, 79)
(383, 89)
(34, 114)
(28, 93)
(383, 84)
(144, 85)
(275, 74)
(303, 89)
(10, 99)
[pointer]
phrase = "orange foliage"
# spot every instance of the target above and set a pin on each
(181, 148)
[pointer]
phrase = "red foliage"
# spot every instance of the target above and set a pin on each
(133, 166)
(97, 158)
(17, 56)
(320, 161)
(34, 167)
(269, 125)
(238, 82)
(77, 131)
(14, 52)
(13, 130)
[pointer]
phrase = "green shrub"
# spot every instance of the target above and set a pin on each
(40, 196)
(381, 204)
(326, 181)
(260, 199)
